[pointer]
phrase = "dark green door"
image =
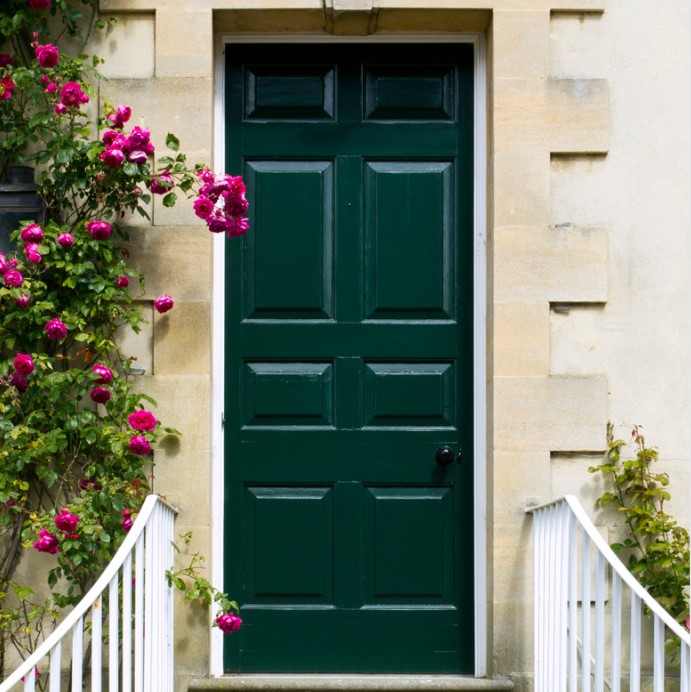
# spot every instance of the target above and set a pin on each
(349, 359)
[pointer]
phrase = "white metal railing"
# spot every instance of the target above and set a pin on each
(602, 644)
(137, 645)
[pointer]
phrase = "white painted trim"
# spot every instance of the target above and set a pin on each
(216, 491)
(479, 321)
(480, 354)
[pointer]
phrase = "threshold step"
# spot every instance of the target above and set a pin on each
(350, 683)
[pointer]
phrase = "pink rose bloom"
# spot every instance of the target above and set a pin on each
(120, 117)
(23, 363)
(238, 227)
(228, 623)
(218, 223)
(65, 521)
(13, 277)
(126, 524)
(142, 420)
(6, 60)
(113, 157)
(100, 395)
(235, 205)
(161, 184)
(137, 156)
(32, 253)
(99, 230)
(163, 304)
(22, 302)
(65, 240)
(140, 446)
(88, 484)
(203, 207)
(114, 139)
(72, 95)
(4, 264)
(139, 138)
(59, 109)
(39, 4)
(55, 329)
(205, 175)
(47, 55)
(19, 382)
(32, 233)
(105, 374)
(46, 543)
(51, 88)
(6, 86)
(236, 185)
(122, 282)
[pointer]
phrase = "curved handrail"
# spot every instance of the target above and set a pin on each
(94, 592)
(617, 565)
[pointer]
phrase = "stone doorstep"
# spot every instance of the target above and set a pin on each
(349, 683)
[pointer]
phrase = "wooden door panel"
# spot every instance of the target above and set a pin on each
(290, 275)
(274, 517)
(409, 546)
(349, 359)
(409, 267)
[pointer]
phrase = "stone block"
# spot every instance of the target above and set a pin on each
(521, 339)
(581, 191)
(140, 345)
(182, 106)
(512, 641)
(550, 413)
(127, 47)
(579, 115)
(578, 45)
(512, 555)
(184, 43)
(521, 42)
(551, 264)
(521, 193)
(521, 479)
(182, 339)
(184, 403)
(559, 115)
(175, 260)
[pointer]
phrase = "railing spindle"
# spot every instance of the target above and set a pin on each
(157, 519)
(559, 582)
(616, 633)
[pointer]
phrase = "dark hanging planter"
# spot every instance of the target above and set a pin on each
(19, 201)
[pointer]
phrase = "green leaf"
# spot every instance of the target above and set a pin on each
(170, 199)
(172, 142)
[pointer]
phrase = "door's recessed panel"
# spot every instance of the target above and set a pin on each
(409, 395)
(409, 546)
(295, 92)
(409, 264)
(279, 394)
(290, 248)
(288, 545)
(409, 92)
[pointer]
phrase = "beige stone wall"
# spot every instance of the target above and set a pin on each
(588, 228)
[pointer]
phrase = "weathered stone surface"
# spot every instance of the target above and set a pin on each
(521, 339)
(175, 260)
(182, 339)
(184, 45)
(556, 264)
(554, 413)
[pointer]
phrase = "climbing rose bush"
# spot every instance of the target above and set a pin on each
(77, 440)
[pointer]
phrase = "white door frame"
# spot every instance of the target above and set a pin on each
(479, 326)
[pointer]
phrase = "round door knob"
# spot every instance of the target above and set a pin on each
(444, 455)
